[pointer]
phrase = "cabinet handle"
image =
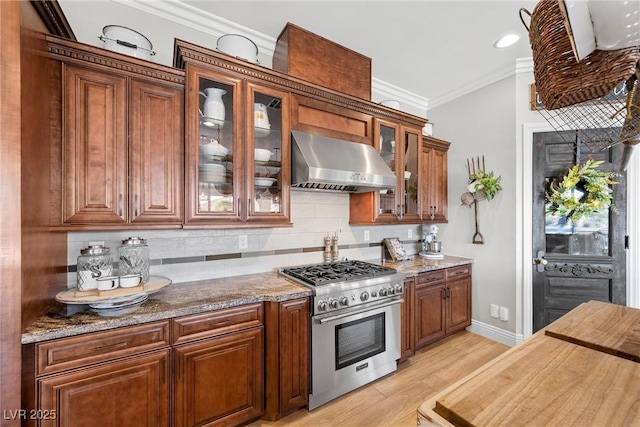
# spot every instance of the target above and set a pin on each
(114, 346)
(120, 204)
(432, 212)
(448, 292)
(444, 293)
(137, 205)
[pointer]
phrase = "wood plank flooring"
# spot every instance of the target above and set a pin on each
(394, 399)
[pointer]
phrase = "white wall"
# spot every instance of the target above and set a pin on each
(482, 124)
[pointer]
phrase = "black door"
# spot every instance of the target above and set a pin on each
(584, 261)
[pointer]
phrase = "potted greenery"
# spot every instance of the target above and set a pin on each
(483, 182)
(582, 190)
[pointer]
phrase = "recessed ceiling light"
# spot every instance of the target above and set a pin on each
(506, 41)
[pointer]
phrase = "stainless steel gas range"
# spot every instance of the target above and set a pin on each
(355, 332)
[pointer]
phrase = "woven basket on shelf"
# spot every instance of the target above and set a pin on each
(560, 79)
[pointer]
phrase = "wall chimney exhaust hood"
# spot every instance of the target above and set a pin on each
(328, 164)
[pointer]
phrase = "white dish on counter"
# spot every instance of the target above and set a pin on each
(120, 302)
(155, 284)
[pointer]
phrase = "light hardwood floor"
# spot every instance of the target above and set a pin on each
(394, 399)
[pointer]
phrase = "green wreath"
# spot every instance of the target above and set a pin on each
(582, 191)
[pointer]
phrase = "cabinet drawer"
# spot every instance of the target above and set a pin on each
(463, 270)
(429, 278)
(67, 353)
(215, 323)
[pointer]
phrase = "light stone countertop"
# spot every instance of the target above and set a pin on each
(180, 299)
(421, 265)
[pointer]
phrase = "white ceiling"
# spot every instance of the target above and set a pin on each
(435, 50)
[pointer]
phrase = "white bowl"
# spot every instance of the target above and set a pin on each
(214, 149)
(262, 155)
(264, 182)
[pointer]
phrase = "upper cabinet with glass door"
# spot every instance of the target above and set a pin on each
(400, 147)
(237, 141)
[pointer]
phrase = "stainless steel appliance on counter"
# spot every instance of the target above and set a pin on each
(355, 318)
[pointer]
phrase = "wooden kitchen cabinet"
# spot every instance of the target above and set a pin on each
(228, 182)
(287, 357)
(219, 367)
(401, 148)
(119, 377)
(442, 303)
(407, 321)
(120, 146)
(434, 175)
(321, 118)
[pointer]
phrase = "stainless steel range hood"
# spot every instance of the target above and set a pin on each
(328, 164)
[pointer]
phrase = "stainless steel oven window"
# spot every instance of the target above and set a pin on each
(359, 339)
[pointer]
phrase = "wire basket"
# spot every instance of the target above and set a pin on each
(561, 80)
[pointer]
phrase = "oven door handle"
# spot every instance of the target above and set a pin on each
(364, 310)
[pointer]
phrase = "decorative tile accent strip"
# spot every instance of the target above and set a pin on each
(236, 255)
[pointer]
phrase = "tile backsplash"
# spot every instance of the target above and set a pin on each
(188, 255)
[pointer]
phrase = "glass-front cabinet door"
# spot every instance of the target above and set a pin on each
(213, 150)
(267, 150)
(388, 203)
(409, 176)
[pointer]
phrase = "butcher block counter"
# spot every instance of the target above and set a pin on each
(582, 370)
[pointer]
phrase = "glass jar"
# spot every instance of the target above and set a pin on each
(133, 258)
(93, 262)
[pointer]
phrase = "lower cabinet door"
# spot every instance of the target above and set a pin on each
(132, 392)
(459, 304)
(407, 330)
(430, 314)
(220, 381)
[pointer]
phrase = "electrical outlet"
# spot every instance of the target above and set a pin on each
(409, 234)
(366, 235)
(243, 242)
(495, 311)
(504, 314)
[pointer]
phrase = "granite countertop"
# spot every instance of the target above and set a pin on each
(420, 265)
(180, 299)
(176, 300)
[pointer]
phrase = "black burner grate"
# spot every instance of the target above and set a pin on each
(342, 271)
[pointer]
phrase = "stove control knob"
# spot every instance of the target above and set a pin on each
(382, 292)
(398, 288)
(390, 291)
(322, 306)
(344, 301)
(374, 294)
(364, 296)
(333, 303)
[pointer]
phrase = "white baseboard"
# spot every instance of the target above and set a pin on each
(494, 333)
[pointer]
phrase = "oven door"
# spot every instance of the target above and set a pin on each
(352, 349)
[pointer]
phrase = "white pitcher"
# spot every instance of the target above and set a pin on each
(213, 107)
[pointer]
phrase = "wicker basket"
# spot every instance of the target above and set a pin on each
(560, 79)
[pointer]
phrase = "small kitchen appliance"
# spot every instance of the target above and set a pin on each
(355, 324)
(431, 246)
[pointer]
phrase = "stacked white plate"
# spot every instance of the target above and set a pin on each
(212, 172)
(119, 306)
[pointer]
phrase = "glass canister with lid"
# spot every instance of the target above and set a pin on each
(94, 262)
(133, 257)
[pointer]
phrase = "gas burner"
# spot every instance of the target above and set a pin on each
(341, 271)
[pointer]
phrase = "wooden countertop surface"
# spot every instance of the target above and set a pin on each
(582, 376)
